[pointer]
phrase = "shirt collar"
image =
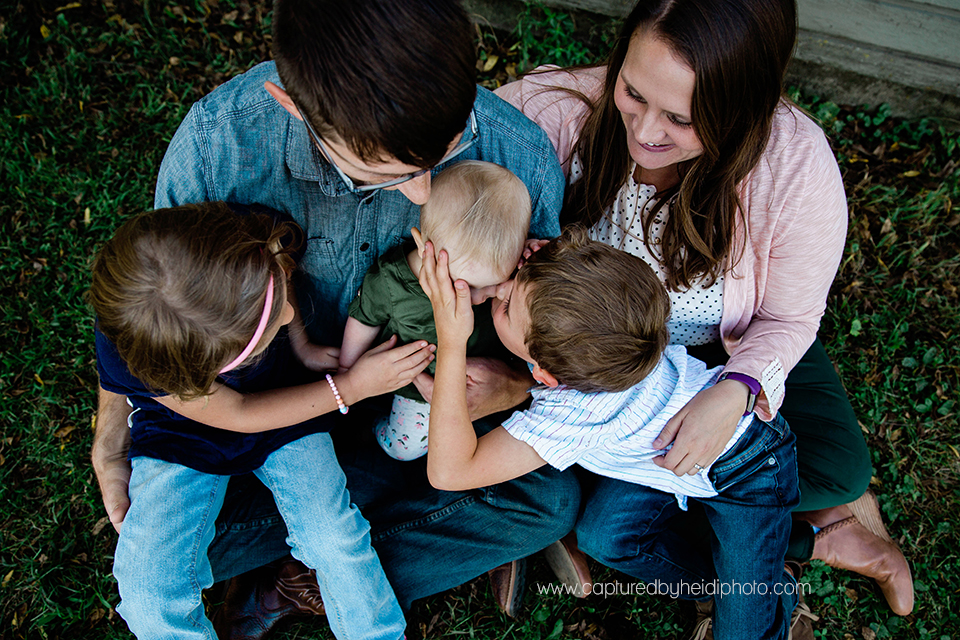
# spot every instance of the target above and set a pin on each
(305, 161)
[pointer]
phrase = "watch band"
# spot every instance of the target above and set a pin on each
(751, 383)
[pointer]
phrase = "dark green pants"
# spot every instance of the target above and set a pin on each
(832, 457)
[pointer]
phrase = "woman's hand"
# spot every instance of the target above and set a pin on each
(385, 368)
(703, 427)
(452, 311)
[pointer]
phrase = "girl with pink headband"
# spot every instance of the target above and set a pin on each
(192, 311)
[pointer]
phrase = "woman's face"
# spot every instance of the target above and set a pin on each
(654, 94)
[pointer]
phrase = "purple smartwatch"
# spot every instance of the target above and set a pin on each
(752, 383)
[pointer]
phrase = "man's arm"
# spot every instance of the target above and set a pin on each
(492, 386)
(111, 441)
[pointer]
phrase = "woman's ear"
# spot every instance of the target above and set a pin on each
(544, 377)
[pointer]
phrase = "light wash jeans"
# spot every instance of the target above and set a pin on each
(161, 562)
(428, 540)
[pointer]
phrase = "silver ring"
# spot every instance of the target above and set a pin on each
(699, 468)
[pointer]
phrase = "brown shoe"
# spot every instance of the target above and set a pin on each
(507, 583)
(256, 601)
(298, 584)
(570, 566)
(849, 545)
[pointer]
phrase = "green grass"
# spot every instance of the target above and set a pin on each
(92, 93)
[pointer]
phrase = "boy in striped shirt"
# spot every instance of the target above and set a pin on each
(590, 321)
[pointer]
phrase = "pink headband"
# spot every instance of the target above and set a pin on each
(267, 306)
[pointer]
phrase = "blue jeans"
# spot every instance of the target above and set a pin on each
(428, 540)
(162, 563)
(633, 529)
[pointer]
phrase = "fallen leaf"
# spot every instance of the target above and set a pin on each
(6, 579)
(37, 377)
(910, 174)
(491, 62)
(72, 5)
(99, 526)
(868, 633)
(86, 216)
(63, 432)
(44, 31)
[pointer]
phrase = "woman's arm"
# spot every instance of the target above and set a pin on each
(378, 371)
(796, 217)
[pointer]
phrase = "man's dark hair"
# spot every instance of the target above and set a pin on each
(385, 77)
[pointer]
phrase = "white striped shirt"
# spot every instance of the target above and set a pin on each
(612, 434)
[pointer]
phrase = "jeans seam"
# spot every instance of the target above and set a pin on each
(433, 516)
(193, 564)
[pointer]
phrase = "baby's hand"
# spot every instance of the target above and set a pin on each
(384, 368)
(452, 311)
(530, 247)
(318, 357)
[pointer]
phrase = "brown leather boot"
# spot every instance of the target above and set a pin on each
(847, 544)
(507, 583)
(255, 602)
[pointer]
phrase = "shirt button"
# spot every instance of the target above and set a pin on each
(364, 246)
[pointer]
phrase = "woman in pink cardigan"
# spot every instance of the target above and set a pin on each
(682, 150)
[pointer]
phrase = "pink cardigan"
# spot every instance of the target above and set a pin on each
(796, 223)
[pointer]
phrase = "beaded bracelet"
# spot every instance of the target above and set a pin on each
(336, 394)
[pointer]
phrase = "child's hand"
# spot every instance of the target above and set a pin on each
(530, 247)
(384, 368)
(318, 357)
(452, 311)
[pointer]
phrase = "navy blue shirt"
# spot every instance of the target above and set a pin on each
(157, 432)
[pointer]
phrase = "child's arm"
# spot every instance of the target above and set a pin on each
(316, 357)
(378, 371)
(357, 338)
(456, 459)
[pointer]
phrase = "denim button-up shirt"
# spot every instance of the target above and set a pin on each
(239, 145)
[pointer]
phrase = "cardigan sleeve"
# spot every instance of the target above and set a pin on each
(548, 96)
(795, 231)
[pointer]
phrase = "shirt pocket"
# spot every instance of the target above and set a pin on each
(320, 260)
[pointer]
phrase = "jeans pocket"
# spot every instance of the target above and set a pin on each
(765, 445)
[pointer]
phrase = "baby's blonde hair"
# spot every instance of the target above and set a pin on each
(480, 212)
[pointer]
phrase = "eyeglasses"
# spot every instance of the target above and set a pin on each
(363, 188)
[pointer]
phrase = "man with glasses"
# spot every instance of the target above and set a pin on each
(366, 101)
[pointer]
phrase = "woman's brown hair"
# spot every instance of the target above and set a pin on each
(738, 50)
(180, 291)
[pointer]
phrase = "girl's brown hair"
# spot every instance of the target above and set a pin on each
(180, 291)
(738, 50)
(598, 316)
